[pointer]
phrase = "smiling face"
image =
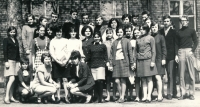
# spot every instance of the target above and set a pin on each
(137, 33)
(143, 32)
(88, 32)
(47, 60)
(30, 20)
(49, 31)
(96, 38)
(128, 31)
(144, 17)
(148, 21)
(114, 24)
(120, 33)
(59, 34)
(41, 31)
(135, 19)
(24, 66)
(109, 34)
(72, 34)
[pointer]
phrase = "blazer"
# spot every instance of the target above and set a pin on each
(11, 49)
(171, 46)
(84, 77)
(127, 51)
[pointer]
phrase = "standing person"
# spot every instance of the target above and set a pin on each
(42, 84)
(187, 43)
(126, 19)
(25, 78)
(40, 46)
(87, 33)
(53, 24)
(121, 60)
(135, 18)
(129, 35)
(114, 24)
(97, 60)
(27, 38)
(145, 15)
(11, 58)
(170, 35)
(146, 68)
(73, 21)
(50, 33)
(82, 84)
(85, 22)
(136, 34)
(99, 24)
(108, 43)
(160, 61)
(59, 52)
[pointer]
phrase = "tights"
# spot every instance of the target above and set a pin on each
(98, 90)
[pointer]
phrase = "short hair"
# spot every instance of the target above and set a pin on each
(166, 17)
(10, 29)
(29, 15)
(128, 26)
(120, 27)
(145, 27)
(98, 16)
(153, 23)
(126, 15)
(75, 54)
(84, 14)
(58, 29)
(73, 10)
(109, 30)
(110, 22)
(146, 12)
(72, 29)
(44, 55)
(84, 29)
(184, 16)
(97, 33)
(42, 18)
(55, 13)
(134, 15)
(40, 26)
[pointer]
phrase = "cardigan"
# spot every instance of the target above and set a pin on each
(11, 49)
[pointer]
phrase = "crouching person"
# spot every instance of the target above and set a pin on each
(25, 77)
(83, 81)
(43, 85)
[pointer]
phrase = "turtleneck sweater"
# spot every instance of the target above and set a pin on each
(187, 38)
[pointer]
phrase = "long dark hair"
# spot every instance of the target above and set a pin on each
(10, 29)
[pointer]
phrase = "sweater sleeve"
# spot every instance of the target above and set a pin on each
(195, 40)
(105, 53)
(163, 47)
(24, 39)
(5, 49)
(153, 49)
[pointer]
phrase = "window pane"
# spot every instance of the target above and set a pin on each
(174, 7)
(188, 7)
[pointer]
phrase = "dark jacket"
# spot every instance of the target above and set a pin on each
(171, 45)
(127, 51)
(85, 77)
(10, 49)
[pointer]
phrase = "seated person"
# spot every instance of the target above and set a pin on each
(83, 81)
(25, 77)
(43, 85)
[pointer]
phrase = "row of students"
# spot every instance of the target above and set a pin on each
(121, 53)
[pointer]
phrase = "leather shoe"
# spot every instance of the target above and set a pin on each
(191, 97)
(169, 96)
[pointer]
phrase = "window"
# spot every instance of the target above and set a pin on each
(178, 8)
(113, 8)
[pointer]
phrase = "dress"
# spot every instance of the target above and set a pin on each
(26, 78)
(161, 53)
(11, 55)
(39, 47)
(121, 57)
(47, 76)
(146, 53)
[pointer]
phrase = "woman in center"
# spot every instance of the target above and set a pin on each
(97, 59)
(121, 61)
